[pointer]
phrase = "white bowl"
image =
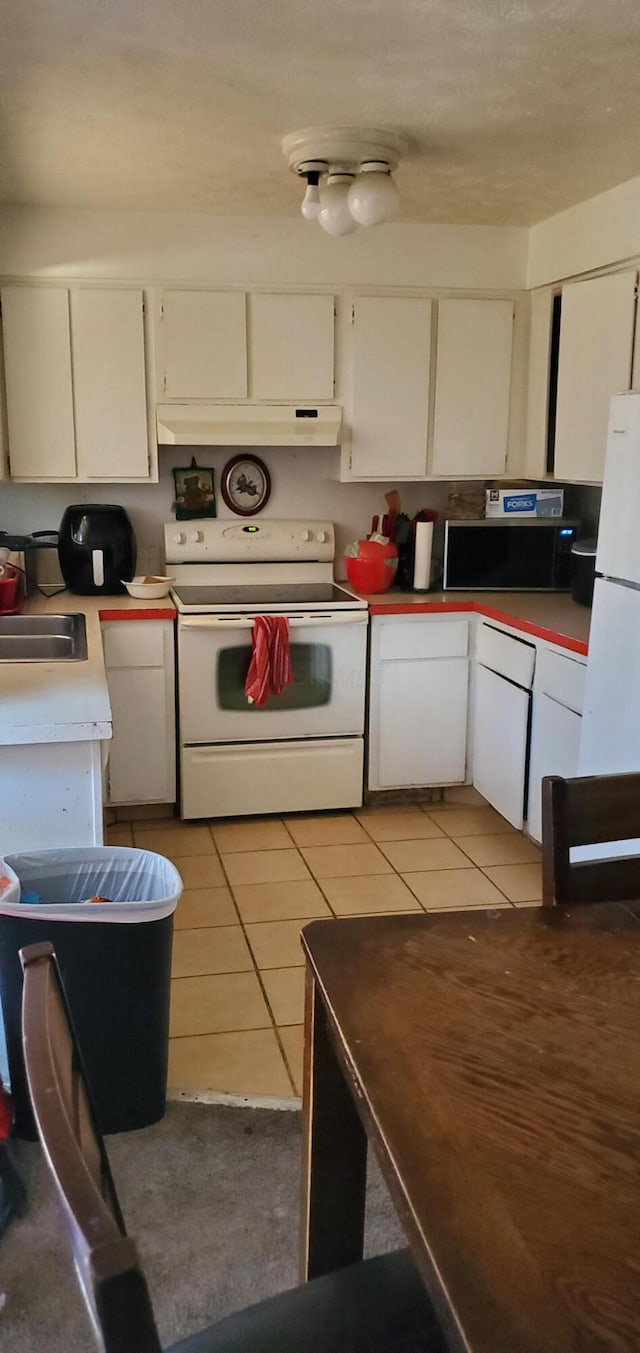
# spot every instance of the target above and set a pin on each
(148, 591)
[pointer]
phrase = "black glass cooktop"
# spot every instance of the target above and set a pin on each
(270, 595)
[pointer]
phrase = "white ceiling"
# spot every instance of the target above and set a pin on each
(515, 109)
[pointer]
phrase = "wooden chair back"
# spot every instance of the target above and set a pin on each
(589, 810)
(106, 1259)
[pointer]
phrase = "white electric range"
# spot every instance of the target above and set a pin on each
(305, 748)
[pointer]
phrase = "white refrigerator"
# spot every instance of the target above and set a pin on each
(610, 736)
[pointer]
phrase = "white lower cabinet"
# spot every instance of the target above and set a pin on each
(139, 659)
(555, 742)
(558, 699)
(500, 737)
(418, 701)
(501, 705)
(51, 796)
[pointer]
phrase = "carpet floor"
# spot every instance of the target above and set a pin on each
(211, 1195)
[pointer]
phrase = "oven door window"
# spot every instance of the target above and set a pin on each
(312, 666)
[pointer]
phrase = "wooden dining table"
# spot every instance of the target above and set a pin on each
(492, 1062)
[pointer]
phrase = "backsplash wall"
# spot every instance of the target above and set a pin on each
(304, 483)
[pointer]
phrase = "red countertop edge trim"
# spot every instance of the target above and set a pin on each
(527, 626)
(400, 608)
(140, 613)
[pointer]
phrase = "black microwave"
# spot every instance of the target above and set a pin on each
(507, 556)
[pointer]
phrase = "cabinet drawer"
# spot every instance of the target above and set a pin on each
(562, 678)
(133, 643)
(508, 657)
(420, 638)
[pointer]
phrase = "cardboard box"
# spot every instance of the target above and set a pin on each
(524, 503)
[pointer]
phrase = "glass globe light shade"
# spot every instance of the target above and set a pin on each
(373, 196)
(335, 216)
(310, 206)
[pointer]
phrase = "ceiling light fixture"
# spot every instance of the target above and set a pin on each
(348, 172)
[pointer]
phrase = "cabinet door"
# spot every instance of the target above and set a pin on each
(291, 346)
(139, 763)
(419, 725)
(540, 328)
(37, 354)
(555, 742)
(596, 348)
(203, 338)
(109, 384)
(473, 381)
(139, 656)
(4, 431)
(500, 734)
(390, 387)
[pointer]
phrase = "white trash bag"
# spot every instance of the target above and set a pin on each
(128, 885)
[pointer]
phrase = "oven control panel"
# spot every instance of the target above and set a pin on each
(225, 541)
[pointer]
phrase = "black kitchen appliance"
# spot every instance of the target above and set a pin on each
(501, 555)
(583, 571)
(96, 548)
(24, 550)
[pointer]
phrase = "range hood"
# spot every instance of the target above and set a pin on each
(248, 424)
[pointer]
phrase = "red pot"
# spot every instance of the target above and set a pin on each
(373, 567)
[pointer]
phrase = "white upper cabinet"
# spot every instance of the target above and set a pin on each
(37, 357)
(291, 346)
(225, 345)
(76, 383)
(594, 363)
(203, 345)
(389, 403)
(473, 382)
(540, 327)
(4, 432)
(109, 384)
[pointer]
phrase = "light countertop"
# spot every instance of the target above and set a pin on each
(553, 616)
(121, 607)
(67, 701)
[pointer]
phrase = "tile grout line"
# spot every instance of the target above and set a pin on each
(222, 1033)
(258, 976)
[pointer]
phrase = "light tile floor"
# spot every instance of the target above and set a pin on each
(250, 885)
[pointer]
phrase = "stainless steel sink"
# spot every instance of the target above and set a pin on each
(43, 638)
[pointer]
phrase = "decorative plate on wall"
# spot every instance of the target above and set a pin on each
(245, 485)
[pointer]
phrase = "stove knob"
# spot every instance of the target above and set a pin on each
(196, 536)
(323, 537)
(179, 538)
(306, 535)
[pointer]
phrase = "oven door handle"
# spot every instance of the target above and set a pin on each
(245, 622)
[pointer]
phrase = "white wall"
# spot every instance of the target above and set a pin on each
(181, 246)
(303, 483)
(598, 233)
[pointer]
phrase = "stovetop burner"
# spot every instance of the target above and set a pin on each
(268, 597)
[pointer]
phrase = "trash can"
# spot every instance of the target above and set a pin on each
(108, 912)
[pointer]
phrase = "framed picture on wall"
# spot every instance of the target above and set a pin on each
(195, 494)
